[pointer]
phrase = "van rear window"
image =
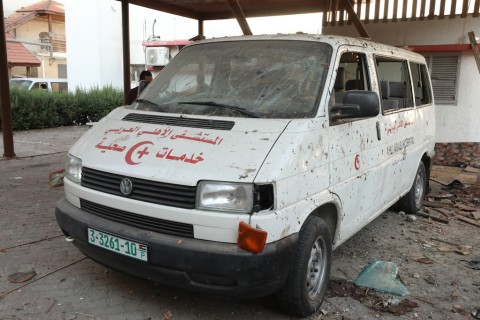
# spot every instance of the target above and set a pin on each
(266, 79)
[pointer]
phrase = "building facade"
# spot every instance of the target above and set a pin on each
(42, 23)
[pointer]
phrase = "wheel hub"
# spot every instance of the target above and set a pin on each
(316, 268)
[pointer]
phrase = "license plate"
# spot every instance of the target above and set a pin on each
(116, 244)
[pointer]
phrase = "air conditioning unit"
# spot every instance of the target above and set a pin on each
(157, 56)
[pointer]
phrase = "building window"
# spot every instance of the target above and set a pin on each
(135, 70)
(444, 71)
(62, 70)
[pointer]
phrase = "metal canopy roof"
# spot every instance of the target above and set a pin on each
(222, 9)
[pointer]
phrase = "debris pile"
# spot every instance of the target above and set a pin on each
(457, 198)
(369, 297)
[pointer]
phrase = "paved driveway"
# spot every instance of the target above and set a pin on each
(69, 286)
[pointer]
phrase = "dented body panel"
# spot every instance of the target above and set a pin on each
(269, 122)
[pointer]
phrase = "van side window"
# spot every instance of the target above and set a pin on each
(352, 74)
(352, 98)
(421, 84)
(394, 82)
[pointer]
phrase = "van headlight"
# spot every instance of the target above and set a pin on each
(73, 168)
(225, 196)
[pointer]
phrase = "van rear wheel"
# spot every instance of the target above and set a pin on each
(413, 200)
(307, 281)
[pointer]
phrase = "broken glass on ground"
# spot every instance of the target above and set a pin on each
(382, 276)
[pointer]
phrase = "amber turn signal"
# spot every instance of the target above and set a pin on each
(251, 239)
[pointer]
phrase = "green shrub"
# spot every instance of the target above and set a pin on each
(38, 109)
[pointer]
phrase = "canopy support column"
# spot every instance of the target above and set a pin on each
(126, 48)
(8, 150)
(240, 16)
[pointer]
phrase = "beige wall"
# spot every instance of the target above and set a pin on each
(30, 32)
(51, 67)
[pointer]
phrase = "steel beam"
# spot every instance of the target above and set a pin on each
(126, 48)
(8, 148)
(240, 16)
(355, 19)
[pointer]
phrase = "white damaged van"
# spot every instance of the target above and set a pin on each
(247, 160)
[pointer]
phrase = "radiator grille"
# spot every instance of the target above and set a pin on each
(180, 121)
(138, 221)
(172, 195)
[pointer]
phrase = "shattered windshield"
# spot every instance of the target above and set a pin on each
(260, 79)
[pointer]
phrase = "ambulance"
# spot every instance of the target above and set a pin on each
(248, 160)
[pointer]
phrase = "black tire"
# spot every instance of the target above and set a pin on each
(413, 200)
(313, 256)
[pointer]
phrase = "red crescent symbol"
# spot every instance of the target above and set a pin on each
(128, 156)
(357, 162)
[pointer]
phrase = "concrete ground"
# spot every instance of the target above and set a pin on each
(67, 285)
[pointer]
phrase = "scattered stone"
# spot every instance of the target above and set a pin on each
(476, 313)
(19, 277)
(403, 307)
(464, 250)
(424, 260)
(458, 309)
(69, 316)
(167, 315)
(429, 279)
(411, 218)
(444, 196)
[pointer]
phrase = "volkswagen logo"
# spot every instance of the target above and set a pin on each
(126, 186)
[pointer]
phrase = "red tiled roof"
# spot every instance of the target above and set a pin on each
(26, 14)
(18, 55)
(17, 19)
(46, 6)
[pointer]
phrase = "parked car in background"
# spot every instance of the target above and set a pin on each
(39, 83)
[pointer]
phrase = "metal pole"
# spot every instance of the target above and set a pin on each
(473, 43)
(5, 93)
(50, 47)
(240, 16)
(355, 19)
(126, 48)
(200, 29)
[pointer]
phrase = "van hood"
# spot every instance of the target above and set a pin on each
(177, 148)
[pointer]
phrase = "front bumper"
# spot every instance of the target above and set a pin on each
(193, 264)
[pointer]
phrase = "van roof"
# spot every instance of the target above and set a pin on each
(40, 79)
(333, 40)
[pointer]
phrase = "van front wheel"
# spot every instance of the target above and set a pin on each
(307, 282)
(413, 200)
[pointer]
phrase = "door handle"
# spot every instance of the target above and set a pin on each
(379, 133)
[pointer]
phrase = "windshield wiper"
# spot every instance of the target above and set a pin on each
(149, 102)
(221, 105)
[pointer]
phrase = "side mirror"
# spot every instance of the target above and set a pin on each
(141, 86)
(357, 104)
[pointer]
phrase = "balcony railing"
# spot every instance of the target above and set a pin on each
(58, 43)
